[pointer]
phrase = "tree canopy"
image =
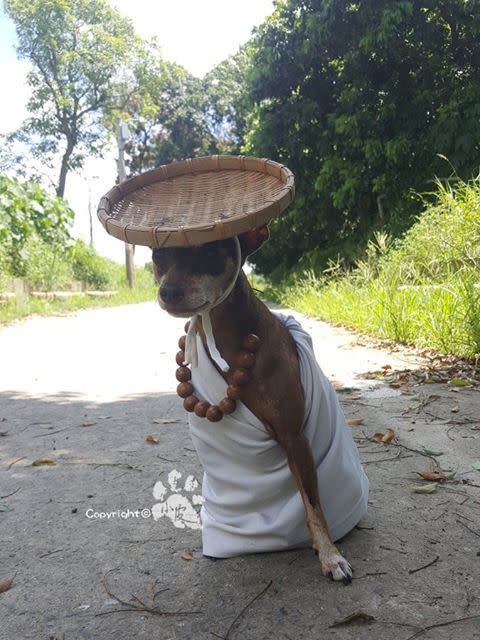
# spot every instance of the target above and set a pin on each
(360, 99)
(166, 112)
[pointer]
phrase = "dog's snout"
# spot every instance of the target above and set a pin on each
(171, 293)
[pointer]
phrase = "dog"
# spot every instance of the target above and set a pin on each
(192, 279)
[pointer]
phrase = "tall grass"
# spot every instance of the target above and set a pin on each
(423, 289)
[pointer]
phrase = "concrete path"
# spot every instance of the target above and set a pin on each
(86, 390)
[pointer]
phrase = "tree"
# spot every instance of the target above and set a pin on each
(77, 49)
(360, 99)
(227, 101)
(165, 113)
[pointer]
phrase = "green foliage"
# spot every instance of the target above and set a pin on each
(423, 289)
(226, 101)
(29, 213)
(76, 49)
(4, 266)
(90, 268)
(46, 266)
(360, 100)
(143, 292)
(166, 113)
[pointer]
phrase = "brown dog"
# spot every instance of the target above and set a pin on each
(193, 278)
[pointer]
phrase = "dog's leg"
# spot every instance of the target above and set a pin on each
(301, 463)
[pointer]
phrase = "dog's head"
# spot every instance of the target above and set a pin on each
(193, 278)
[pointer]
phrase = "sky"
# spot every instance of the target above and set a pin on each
(197, 34)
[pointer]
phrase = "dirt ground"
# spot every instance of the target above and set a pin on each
(84, 392)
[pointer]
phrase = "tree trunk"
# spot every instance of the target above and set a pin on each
(64, 168)
(129, 264)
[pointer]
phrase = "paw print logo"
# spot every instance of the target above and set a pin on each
(177, 507)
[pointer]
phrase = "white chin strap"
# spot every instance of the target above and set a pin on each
(191, 355)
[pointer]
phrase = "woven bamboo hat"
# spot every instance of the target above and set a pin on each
(196, 201)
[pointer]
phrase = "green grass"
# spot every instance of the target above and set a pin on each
(422, 290)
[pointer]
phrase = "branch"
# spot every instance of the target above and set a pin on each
(60, 117)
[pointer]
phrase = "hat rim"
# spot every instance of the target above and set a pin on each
(158, 235)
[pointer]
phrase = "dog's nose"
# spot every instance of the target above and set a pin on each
(171, 293)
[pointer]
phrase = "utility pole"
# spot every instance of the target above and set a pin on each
(122, 137)
(91, 179)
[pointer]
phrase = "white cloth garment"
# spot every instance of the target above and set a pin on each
(251, 501)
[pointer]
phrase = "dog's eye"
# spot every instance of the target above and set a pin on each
(160, 258)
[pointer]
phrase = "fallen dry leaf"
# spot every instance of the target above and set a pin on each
(355, 422)
(388, 436)
(477, 500)
(6, 584)
(383, 438)
(433, 476)
(165, 420)
(3, 433)
(425, 488)
(151, 440)
(187, 555)
(88, 424)
(356, 616)
(41, 461)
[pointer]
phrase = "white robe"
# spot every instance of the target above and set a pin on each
(251, 501)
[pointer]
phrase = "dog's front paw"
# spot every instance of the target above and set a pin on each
(335, 567)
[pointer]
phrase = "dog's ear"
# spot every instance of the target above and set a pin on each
(252, 240)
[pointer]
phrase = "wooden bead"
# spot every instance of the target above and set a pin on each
(185, 389)
(234, 392)
(240, 377)
(245, 359)
(187, 326)
(251, 343)
(227, 405)
(201, 408)
(214, 414)
(183, 374)
(190, 403)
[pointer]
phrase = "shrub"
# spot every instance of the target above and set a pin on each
(27, 211)
(46, 266)
(88, 267)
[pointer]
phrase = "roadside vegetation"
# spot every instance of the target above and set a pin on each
(144, 291)
(37, 248)
(422, 289)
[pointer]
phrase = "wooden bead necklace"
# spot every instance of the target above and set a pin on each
(240, 377)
